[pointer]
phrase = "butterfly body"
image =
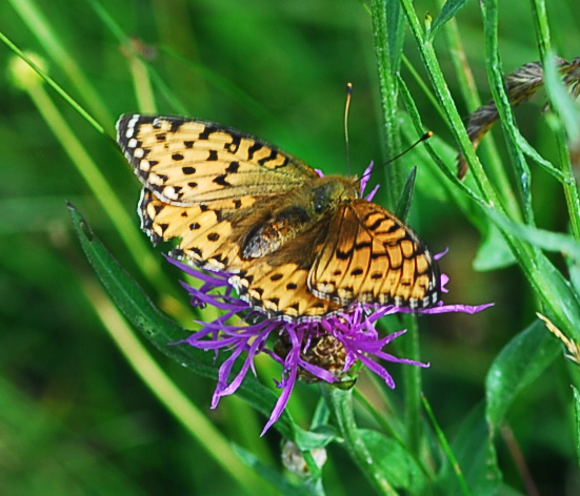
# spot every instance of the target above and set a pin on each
(298, 210)
(297, 245)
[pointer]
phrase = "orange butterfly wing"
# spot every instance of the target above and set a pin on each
(208, 186)
(371, 256)
(187, 161)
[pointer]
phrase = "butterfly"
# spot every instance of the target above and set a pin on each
(296, 245)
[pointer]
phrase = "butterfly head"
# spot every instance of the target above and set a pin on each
(329, 191)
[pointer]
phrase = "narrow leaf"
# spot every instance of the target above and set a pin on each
(406, 198)
(448, 11)
(157, 327)
(560, 98)
(577, 418)
(519, 364)
(450, 455)
(476, 456)
(319, 437)
(531, 152)
(494, 253)
(399, 466)
(538, 237)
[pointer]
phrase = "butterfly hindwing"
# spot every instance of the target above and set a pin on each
(278, 282)
(210, 235)
(186, 161)
(371, 256)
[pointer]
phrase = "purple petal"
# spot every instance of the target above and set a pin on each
(458, 308)
(248, 363)
(373, 193)
(441, 254)
(319, 372)
(391, 358)
(444, 281)
(364, 179)
(378, 369)
(288, 387)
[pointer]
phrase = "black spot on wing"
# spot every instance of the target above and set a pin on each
(253, 149)
(221, 180)
(233, 167)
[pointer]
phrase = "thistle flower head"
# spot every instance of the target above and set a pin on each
(316, 351)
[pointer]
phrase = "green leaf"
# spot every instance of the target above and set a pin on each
(321, 414)
(476, 457)
(445, 447)
(565, 310)
(316, 438)
(275, 478)
(577, 418)
(519, 364)
(396, 33)
(531, 152)
(538, 237)
(566, 107)
(448, 11)
(406, 198)
(158, 328)
(399, 466)
(494, 252)
(574, 271)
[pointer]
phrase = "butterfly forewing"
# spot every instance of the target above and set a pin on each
(185, 161)
(371, 256)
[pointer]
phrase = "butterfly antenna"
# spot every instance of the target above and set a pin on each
(346, 136)
(425, 137)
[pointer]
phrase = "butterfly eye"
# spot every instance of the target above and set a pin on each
(322, 198)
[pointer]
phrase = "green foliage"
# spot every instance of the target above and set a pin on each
(78, 413)
(518, 365)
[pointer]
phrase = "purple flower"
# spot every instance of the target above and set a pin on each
(350, 336)
(323, 350)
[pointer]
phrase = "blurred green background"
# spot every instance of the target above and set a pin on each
(74, 417)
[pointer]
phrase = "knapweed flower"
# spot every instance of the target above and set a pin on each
(322, 350)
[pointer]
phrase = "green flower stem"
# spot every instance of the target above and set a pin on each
(139, 65)
(382, 419)
(103, 192)
(570, 187)
(471, 98)
(54, 85)
(41, 28)
(540, 18)
(341, 404)
(543, 284)
(142, 85)
(195, 422)
(446, 448)
(410, 348)
(452, 115)
(495, 75)
(391, 138)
